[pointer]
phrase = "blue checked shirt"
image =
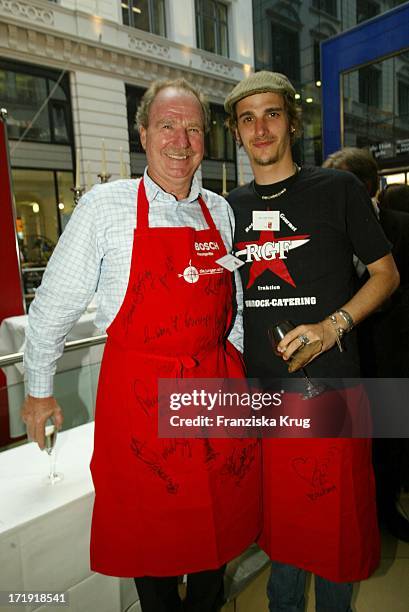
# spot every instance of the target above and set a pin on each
(94, 255)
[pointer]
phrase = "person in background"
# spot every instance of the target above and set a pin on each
(384, 336)
(391, 205)
(395, 196)
(296, 232)
(163, 507)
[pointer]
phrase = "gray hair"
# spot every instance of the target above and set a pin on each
(142, 114)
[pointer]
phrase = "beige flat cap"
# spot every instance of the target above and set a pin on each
(259, 82)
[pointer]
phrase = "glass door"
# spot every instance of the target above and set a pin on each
(43, 204)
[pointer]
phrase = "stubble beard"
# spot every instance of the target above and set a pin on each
(259, 161)
(273, 158)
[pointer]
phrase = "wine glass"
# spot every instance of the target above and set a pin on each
(50, 441)
(276, 333)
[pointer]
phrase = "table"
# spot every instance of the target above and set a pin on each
(44, 529)
(76, 380)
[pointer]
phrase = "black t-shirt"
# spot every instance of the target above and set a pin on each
(302, 269)
(395, 224)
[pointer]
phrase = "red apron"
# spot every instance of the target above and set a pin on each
(319, 509)
(166, 507)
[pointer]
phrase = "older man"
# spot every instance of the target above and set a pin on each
(162, 507)
(296, 231)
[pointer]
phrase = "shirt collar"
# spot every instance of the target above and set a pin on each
(154, 192)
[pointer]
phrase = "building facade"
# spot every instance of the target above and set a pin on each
(287, 37)
(71, 75)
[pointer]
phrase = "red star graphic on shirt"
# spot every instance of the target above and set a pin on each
(276, 265)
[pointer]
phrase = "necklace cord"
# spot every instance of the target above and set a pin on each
(278, 193)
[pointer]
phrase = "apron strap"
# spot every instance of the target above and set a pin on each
(142, 211)
(206, 213)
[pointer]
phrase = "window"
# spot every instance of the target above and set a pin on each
(211, 26)
(219, 141)
(23, 91)
(366, 9)
(328, 6)
(403, 99)
(285, 51)
(370, 86)
(133, 99)
(148, 15)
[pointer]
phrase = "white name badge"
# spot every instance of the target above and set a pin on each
(266, 220)
(230, 262)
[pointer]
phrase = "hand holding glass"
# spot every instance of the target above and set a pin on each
(50, 441)
(276, 333)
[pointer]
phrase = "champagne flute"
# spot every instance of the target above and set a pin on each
(50, 441)
(276, 333)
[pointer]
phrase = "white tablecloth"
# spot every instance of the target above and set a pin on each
(77, 372)
(44, 529)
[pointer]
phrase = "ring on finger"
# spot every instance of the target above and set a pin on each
(303, 339)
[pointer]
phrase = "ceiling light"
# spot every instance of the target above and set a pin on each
(246, 67)
(297, 96)
(36, 207)
(61, 205)
(136, 10)
(308, 100)
(318, 83)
